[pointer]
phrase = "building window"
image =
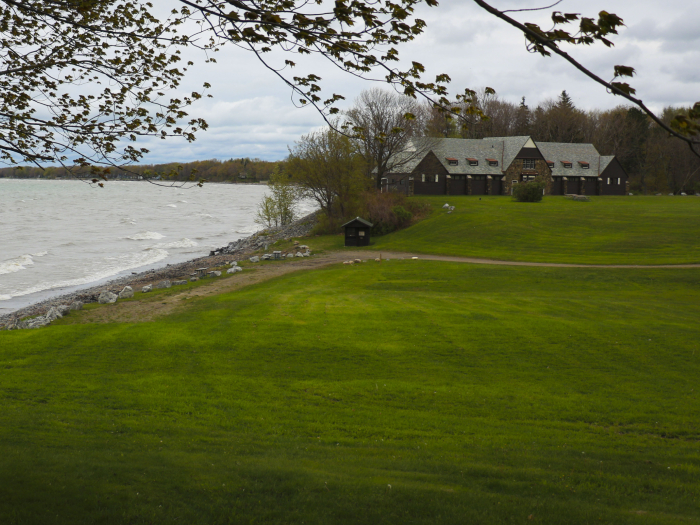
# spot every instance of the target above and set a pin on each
(436, 178)
(550, 164)
(453, 162)
(528, 164)
(584, 166)
(566, 164)
(493, 163)
(473, 162)
(527, 178)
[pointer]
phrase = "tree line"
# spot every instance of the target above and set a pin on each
(231, 170)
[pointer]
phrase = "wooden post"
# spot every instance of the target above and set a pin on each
(469, 184)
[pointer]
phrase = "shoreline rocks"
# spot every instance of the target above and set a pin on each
(146, 279)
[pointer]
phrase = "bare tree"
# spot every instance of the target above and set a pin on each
(385, 127)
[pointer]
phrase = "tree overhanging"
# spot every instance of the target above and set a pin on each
(55, 53)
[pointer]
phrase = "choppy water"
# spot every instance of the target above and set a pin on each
(56, 235)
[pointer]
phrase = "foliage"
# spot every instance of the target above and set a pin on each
(477, 392)
(589, 31)
(386, 211)
(53, 48)
(118, 47)
(606, 230)
(280, 207)
(529, 191)
(328, 169)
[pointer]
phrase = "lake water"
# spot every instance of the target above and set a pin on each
(56, 236)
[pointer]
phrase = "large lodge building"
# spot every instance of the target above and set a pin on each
(491, 166)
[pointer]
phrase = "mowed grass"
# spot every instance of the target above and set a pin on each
(606, 230)
(401, 392)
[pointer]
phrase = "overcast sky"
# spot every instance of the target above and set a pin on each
(251, 114)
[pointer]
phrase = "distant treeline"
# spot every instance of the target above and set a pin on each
(232, 170)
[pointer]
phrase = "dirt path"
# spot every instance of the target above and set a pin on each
(149, 309)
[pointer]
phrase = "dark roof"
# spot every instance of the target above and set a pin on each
(576, 155)
(361, 221)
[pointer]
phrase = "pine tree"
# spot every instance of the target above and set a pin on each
(565, 101)
(523, 119)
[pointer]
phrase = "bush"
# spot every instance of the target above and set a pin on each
(403, 216)
(529, 191)
(386, 211)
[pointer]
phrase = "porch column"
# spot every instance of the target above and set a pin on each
(469, 184)
(489, 189)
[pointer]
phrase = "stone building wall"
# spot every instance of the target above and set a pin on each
(515, 170)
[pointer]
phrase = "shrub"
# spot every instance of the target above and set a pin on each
(387, 211)
(403, 216)
(529, 191)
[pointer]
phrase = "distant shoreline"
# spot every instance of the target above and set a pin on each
(80, 179)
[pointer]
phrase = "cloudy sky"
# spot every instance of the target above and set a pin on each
(251, 113)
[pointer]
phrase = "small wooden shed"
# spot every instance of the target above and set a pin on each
(357, 232)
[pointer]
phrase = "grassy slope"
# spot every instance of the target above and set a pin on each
(480, 394)
(606, 230)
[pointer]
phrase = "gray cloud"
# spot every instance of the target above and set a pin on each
(251, 113)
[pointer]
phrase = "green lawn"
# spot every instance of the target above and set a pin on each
(406, 392)
(606, 230)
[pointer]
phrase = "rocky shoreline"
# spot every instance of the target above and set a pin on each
(237, 249)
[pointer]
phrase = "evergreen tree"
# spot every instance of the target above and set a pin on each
(523, 119)
(565, 101)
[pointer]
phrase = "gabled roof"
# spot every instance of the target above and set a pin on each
(463, 150)
(361, 221)
(503, 150)
(511, 147)
(578, 155)
(605, 162)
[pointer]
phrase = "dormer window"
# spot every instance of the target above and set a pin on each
(584, 165)
(492, 162)
(473, 162)
(452, 161)
(550, 163)
(566, 163)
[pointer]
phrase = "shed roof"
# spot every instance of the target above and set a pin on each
(356, 220)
